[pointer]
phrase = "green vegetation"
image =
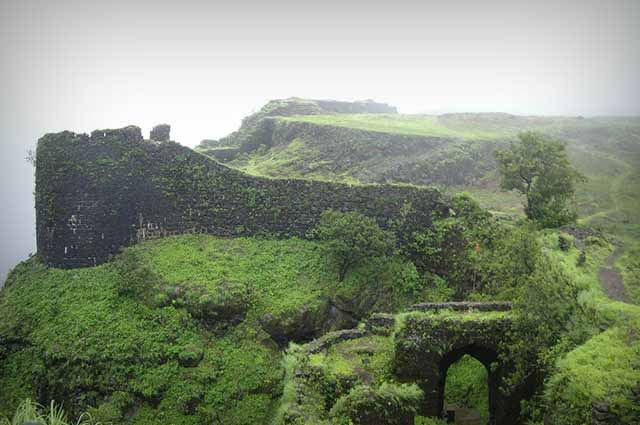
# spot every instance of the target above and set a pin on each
(30, 412)
(351, 238)
(629, 264)
(467, 386)
(369, 359)
(538, 168)
(157, 355)
(605, 367)
(447, 315)
(392, 402)
(182, 329)
(418, 125)
(421, 420)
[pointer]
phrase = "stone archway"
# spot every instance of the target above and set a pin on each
(430, 340)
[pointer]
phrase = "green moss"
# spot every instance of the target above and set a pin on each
(451, 316)
(367, 360)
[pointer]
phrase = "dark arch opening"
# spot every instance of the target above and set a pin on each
(486, 357)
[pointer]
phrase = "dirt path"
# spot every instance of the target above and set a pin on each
(611, 279)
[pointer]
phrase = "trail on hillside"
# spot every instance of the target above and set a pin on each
(611, 279)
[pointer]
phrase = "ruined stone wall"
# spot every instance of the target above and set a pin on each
(96, 194)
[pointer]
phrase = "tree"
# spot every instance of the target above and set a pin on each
(538, 167)
(352, 238)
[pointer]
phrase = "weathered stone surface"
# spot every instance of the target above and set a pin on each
(381, 324)
(333, 338)
(463, 306)
(161, 133)
(97, 194)
(307, 323)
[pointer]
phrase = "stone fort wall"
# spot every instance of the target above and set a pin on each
(98, 193)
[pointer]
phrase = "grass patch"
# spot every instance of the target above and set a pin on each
(153, 357)
(417, 125)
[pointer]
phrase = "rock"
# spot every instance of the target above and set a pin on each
(332, 338)
(301, 326)
(381, 324)
(190, 356)
(161, 133)
(216, 308)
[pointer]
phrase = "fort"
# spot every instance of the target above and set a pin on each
(98, 193)
(428, 339)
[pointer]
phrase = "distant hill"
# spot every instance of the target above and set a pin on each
(294, 138)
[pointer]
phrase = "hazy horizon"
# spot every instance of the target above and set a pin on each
(201, 67)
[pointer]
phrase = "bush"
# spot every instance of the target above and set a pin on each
(135, 279)
(389, 404)
(352, 238)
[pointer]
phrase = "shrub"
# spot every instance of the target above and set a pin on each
(352, 238)
(389, 404)
(135, 278)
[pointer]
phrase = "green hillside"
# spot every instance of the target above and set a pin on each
(457, 153)
(183, 330)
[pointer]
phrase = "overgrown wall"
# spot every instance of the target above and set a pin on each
(96, 194)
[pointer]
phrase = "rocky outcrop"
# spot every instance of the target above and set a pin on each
(294, 106)
(161, 133)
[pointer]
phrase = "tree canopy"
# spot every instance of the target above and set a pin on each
(538, 167)
(352, 238)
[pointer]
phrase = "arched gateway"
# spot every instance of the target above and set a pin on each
(436, 335)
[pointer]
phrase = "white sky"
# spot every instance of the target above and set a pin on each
(202, 66)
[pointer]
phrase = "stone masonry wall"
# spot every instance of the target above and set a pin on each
(97, 194)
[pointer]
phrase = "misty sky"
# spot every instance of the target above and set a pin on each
(202, 66)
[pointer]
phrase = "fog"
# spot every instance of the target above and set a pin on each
(202, 66)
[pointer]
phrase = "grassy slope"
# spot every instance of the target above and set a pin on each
(607, 152)
(606, 367)
(420, 125)
(153, 356)
(78, 326)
